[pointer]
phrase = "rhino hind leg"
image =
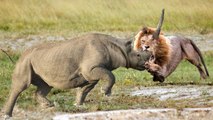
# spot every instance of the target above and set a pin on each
(14, 93)
(42, 91)
(21, 81)
(83, 91)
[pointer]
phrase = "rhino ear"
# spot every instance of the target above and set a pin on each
(128, 43)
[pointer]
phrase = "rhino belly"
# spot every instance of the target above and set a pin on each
(64, 82)
(67, 84)
(59, 75)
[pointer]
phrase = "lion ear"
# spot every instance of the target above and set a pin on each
(145, 30)
(137, 41)
(149, 30)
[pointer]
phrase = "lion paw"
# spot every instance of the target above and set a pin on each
(152, 67)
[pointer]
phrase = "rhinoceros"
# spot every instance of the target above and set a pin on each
(80, 62)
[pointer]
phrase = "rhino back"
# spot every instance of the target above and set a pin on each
(57, 62)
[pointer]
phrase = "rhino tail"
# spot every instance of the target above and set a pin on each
(8, 56)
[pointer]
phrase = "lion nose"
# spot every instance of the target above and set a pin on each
(146, 47)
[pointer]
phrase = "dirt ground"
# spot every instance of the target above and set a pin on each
(204, 42)
(190, 92)
(172, 92)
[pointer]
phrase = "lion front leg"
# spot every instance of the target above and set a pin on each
(155, 70)
(152, 67)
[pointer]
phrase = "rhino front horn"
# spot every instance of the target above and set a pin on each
(157, 32)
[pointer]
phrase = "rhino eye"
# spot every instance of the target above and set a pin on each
(138, 55)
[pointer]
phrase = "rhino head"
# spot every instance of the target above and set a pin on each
(137, 59)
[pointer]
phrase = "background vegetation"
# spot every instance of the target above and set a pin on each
(60, 16)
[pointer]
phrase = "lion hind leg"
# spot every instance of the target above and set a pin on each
(193, 55)
(199, 67)
(194, 59)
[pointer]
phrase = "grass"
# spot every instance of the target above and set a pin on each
(24, 17)
(126, 80)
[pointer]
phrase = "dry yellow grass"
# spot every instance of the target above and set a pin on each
(104, 15)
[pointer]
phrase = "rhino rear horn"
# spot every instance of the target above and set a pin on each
(157, 32)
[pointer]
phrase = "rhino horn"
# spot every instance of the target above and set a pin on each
(157, 32)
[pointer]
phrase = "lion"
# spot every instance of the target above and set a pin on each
(168, 52)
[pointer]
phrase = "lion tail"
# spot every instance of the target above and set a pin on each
(201, 57)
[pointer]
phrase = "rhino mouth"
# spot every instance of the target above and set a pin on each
(141, 67)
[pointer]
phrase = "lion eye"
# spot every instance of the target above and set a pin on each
(142, 41)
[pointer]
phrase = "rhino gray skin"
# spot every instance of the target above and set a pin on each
(80, 62)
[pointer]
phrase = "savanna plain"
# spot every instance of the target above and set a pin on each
(29, 19)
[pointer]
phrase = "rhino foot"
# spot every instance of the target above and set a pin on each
(6, 117)
(79, 105)
(106, 92)
(43, 101)
(46, 105)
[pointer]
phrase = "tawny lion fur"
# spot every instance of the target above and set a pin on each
(168, 52)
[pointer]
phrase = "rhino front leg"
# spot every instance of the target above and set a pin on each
(83, 91)
(42, 90)
(41, 94)
(104, 74)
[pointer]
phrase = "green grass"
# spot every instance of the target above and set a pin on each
(126, 80)
(24, 17)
